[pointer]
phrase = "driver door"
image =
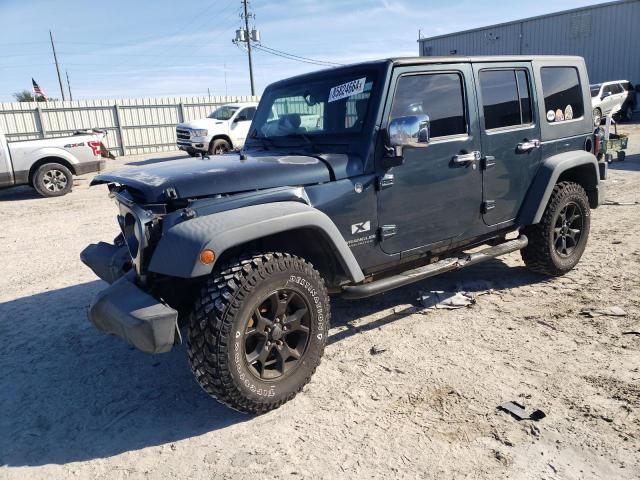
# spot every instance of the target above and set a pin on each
(434, 196)
(240, 125)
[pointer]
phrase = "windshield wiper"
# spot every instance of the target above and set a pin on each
(302, 136)
(265, 141)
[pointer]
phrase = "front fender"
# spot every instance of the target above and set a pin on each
(177, 253)
(583, 167)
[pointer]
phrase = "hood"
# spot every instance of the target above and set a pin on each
(199, 177)
(207, 123)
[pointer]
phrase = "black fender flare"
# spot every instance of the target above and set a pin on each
(178, 251)
(585, 166)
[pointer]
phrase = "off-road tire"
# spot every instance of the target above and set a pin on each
(540, 255)
(622, 156)
(597, 117)
(217, 325)
(218, 147)
(52, 172)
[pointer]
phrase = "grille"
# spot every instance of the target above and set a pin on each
(183, 134)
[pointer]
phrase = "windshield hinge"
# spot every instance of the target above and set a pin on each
(171, 193)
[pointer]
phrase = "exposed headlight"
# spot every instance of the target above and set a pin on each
(199, 133)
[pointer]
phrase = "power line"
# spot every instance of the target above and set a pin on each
(296, 58)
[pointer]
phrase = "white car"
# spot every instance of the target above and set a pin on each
(615, 97)
(225, 129)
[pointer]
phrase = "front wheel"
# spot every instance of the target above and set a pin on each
(558, 241)
(258, 331)
(219, 147)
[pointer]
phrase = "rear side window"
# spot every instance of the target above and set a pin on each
(616, 88)
(439, 95)
(506, 100)
(562, 93)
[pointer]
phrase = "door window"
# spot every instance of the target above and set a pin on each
(562, 93)
(439, 95)
(616, 88)
(246, 114)
(505, 98)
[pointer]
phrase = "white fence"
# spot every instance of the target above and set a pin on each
(134, 126)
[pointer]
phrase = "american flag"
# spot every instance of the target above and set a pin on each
(37, 90)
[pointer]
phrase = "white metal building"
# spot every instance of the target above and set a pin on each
(607, 35)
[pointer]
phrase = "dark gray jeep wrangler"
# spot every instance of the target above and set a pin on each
(353, 181)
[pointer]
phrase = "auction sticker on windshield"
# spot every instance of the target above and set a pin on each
(347, 89)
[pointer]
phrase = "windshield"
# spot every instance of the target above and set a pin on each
(328, 103)
(223, 113)
(595, 89)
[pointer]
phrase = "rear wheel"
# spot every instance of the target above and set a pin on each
(258, 331)
(558, 241)
(219, 147)
(53, 180)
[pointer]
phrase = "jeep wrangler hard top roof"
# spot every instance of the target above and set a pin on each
(408, 61)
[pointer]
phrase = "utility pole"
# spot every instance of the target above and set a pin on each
(68, 85)
(244, 35)
(246, 26)
(55, 59)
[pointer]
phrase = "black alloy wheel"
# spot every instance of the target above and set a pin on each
(568, 229)
(277, 334)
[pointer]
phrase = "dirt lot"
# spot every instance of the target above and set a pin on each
(76, 403)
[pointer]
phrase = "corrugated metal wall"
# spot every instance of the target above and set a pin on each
(606, 35)
(134, 126)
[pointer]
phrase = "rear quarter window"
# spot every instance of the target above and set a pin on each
(562, 94)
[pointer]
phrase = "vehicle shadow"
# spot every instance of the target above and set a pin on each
(69, 393)
(24, 192)
(631, 163)
(492, 274)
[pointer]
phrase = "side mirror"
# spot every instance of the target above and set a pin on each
(409, 131)
(240, 118)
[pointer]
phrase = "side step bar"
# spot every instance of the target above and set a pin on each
(445, 265)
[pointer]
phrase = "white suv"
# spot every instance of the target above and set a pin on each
(616, 97)
(225, 129)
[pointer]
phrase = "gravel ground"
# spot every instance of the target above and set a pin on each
(79, 404)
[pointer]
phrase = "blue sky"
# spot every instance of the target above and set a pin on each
(128, 48)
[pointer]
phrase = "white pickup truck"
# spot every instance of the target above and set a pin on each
(48, 165)
(225, 129)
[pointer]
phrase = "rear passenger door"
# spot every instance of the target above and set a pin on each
(510, 133)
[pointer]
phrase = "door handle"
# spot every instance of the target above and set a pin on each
(528, 145)
(464, 158)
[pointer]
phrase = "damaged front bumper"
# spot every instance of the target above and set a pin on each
(108, 261)
(126, 310)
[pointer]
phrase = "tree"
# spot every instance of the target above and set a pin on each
(27, 96)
